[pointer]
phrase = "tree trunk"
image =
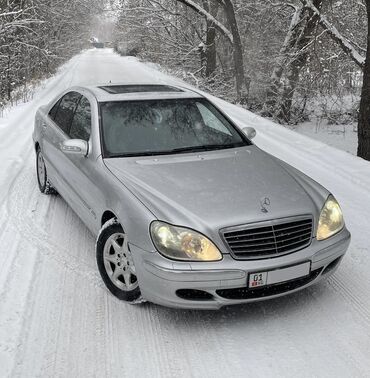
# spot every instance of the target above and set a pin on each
(304, 37)
(211, 51)
(364, 115)
(273, 92)
(292, 79)
(242, 89)
(275, 88)
(218, 25)
(8, 81)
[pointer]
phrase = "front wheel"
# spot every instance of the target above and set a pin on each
(115, 263)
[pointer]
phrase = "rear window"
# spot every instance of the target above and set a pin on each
(66, 110)
(54, 110)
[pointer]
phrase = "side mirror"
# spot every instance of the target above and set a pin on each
(250, 132)
(75, 146)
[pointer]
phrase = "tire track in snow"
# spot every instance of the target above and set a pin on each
(14, 299)
(353, 294)
(18, 210)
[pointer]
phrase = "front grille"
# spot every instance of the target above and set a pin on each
(269, 239)
(267, 291)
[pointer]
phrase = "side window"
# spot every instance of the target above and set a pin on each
(211, 120)
(66, 110)
(54, 110)
(81, 124)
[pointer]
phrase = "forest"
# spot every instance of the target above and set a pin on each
(296, 61)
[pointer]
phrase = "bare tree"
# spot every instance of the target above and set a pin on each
(281, 60)
(36, 36)
(273, 92)
(234, 38)
(302, 38)
(344, 43)
(211, 7)
(364, 63)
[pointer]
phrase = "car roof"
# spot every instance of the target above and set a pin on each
(140, 91)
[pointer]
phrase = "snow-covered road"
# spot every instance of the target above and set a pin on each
(57, 319)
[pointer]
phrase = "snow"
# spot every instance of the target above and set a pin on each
(57, 319)
(343, 137)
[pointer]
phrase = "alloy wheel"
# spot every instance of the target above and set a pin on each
(118, 262)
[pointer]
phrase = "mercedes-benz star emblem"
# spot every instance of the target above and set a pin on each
(264, 201)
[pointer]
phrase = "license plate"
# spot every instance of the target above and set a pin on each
(258, 279)
(271, 277)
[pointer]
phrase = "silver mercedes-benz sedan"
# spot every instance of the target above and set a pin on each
(188, 212)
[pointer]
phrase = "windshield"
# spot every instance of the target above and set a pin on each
(133, 128)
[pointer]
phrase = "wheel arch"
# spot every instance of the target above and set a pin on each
(107, 215)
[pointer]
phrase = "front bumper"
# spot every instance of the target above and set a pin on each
(177, 284)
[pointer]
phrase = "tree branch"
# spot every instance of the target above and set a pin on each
(217, 24)
(344, 43)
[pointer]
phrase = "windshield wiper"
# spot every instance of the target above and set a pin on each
(208, 147)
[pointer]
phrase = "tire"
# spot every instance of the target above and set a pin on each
(115, 263)
(42, 177)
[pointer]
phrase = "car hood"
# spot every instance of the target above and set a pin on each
(212, 190)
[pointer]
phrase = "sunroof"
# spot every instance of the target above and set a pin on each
(139, 88)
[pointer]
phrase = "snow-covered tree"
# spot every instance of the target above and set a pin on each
(36, 36)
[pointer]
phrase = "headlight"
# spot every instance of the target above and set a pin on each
(181, 243)
(331, 219)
